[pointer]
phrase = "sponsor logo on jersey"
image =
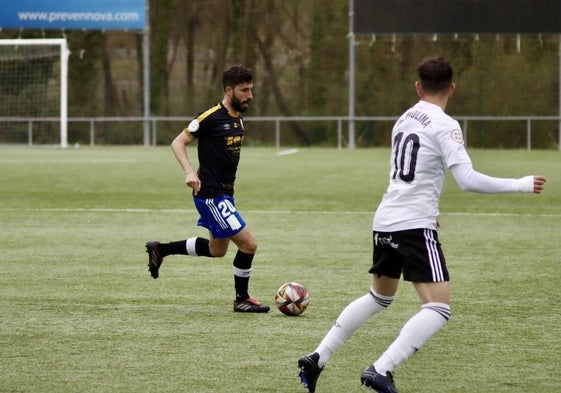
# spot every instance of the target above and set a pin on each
(234, 140)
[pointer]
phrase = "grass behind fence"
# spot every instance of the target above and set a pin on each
(80, 313)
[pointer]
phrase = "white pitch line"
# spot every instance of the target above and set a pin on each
(72, 161)
(317, 212)
(287, 152)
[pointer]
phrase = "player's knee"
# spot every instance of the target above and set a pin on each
(249, 248)
(245, 241)
(217, 251)
(247, 245)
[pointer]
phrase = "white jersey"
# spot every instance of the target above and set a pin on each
(425, 141)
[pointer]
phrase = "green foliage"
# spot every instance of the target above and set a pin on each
(80, 313)
(300, 54)
(159, 70)
(85, 87)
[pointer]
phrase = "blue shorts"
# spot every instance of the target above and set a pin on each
(219, 216)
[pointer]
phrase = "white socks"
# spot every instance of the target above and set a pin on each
(350, 319)
(413, 335)
(190, 246)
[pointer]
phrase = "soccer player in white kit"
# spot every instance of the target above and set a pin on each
(425, 141)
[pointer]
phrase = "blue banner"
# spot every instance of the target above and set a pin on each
(73, 14)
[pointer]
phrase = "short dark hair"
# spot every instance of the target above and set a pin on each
(235, 75)
(435, 74)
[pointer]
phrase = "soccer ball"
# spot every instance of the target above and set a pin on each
(292, 298)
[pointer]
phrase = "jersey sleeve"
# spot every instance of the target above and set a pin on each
(469, 179)
(202, 121)
(193, 128)
(452, 145)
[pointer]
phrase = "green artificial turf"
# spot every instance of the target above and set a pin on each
(80, 312)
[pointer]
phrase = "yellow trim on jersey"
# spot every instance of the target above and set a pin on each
(234, 114)
(208, 112)
(203, 116)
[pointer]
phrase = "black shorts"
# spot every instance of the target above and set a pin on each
(415, 252)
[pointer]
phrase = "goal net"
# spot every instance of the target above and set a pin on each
(33, 91)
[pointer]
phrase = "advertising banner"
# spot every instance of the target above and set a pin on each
(73, 14)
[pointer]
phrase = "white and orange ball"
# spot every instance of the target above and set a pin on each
(292, 298)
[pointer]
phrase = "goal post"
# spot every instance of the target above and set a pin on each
(34, 81)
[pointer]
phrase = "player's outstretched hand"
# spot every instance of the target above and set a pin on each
(539, 182)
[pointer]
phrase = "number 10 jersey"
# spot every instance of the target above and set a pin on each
(425, 142)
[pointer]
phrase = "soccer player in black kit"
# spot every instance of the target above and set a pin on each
(220, 132)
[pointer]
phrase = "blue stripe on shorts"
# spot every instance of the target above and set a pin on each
(219, 216)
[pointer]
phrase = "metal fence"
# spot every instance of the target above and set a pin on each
(147, 130)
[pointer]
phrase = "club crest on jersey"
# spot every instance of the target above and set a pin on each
(193, 126)
(457, 136)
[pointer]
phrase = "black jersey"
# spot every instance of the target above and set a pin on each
(220, 135)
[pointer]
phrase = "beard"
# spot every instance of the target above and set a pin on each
(239, 105)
